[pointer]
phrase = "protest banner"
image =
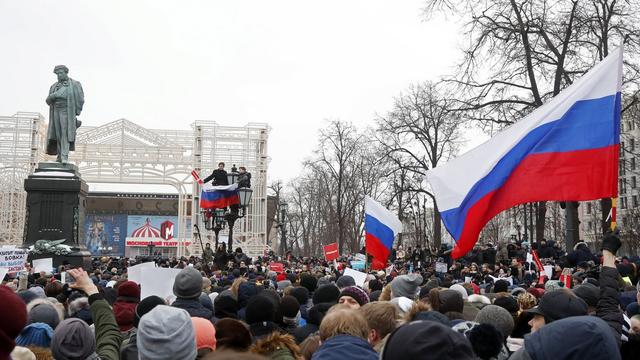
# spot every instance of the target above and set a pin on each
(13, 259)
(157, 281)
(276, 267)
(358, 264)
(441, 267)
(134, 272)
(45, 265)
(3, 273)
(360, 257)
(358, 276)
(331, 252)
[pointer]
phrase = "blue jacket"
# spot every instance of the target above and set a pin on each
(345, 347)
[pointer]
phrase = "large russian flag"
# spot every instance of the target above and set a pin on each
(380, 226)
(565, 150)
(216, 197)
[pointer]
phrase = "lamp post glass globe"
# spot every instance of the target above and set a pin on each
(245, 196)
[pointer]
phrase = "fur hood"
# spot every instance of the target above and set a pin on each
(278, 346)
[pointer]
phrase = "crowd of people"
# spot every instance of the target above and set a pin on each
(492, 304)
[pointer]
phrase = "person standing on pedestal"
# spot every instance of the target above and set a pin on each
(65, 101)
(219, 176)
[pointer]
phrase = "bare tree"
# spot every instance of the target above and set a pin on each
(418, 133)
(521, 52)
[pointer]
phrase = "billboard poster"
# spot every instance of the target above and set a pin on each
(145, 229)
(105, 234)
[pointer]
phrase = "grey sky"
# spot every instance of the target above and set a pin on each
(164, 64)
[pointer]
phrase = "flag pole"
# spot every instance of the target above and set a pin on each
(614, 205)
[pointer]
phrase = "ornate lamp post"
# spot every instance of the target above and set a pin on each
(284, 207)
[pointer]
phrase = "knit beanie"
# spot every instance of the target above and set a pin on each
(125, 314)
(501, 286)
(205, 333)
(508, 303)
(22, 353)
(326, 294)
(345, 281)
(323, 281)
(35, 334)
(406, 286)
(14, 318)
(374, 284)
(356, 293)
(309, 282)
(130, 290)
(460, 289)
(289, 306)
(44, 313)
(232, 334)
(188, 283)
(375, 295)
(450, 300)
(225, 307)
(147, 304)
(167, 333)
(73, 339)
(498, 317)
(589, 293)
(418, 338)
(260, 309)
(301, 294)
(38, 292)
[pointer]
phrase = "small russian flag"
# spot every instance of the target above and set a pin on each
(381, 227)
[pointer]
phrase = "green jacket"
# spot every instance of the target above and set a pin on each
(108, 338)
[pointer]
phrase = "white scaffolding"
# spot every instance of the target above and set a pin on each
(122, 152)
(22, 140)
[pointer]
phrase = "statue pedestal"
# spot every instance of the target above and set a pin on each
(56, 199)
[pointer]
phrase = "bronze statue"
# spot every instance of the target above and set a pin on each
(65, 102)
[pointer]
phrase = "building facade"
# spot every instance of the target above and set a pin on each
(122, 153)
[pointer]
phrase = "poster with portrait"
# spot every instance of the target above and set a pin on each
(105, 234)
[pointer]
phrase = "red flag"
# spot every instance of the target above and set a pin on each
(196, 176)
(331, 252)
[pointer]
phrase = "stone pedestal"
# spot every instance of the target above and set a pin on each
(56, 200)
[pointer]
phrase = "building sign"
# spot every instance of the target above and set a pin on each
(105, 234)
(144, 230)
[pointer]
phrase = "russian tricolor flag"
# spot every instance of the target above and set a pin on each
(217, 197)
(566, 150)
(381, 226)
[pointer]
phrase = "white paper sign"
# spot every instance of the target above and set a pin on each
(467, 279)
(45, 265)
(441, 267)
(134, 272)
(12, 258)
(509, 279)
(358, 276)
(3, 272)
(548, 269)
(157, 281)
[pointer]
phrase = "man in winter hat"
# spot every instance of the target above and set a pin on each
(406, 286)
(353, 297)
(167, 333)
(187, 288)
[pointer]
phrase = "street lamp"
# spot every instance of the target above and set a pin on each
(233, 175)
(283, 228)
(244, 195)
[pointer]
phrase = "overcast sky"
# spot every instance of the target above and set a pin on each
(164, 64)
